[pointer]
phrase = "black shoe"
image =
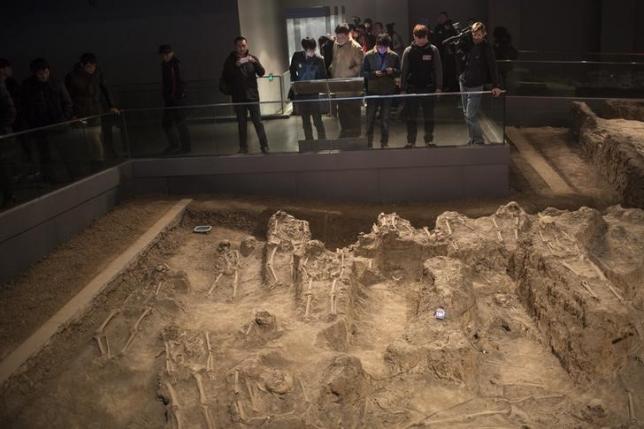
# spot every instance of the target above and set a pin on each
(243, 149)
(384, 145)
(409, 145)
(265, 149)
(430, 144)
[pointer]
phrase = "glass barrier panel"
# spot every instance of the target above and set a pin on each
(36, 162)
(573, 78)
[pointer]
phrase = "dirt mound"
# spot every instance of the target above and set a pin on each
(616, 148)
(510, 320)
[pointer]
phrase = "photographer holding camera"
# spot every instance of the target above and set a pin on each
(478, 68)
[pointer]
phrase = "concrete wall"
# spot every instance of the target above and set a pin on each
(384, 11)
(124, 35)
(32, 230)
(437, 174)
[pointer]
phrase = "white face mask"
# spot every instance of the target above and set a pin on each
(310, 54)
(382, 50)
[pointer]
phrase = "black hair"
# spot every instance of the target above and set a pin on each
(165, 49)
(4, 63)
(444, 13)
(38, 64)
(239, 39)
(383, 39)
(368, 21)
(309, 43)
(342, 28)
(88, 58)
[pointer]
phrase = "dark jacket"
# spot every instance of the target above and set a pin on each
(174, 87)
(241, 81)
(373, 62)
(327, 52)
(7, 110)
(478, 63)
(421, 70)
(88, 92)
(304, 68)
(442, 32)
(44, 103)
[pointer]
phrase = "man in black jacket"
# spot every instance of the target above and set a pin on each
(421, 73)
(479, 69)
(174, 93)
(307, 65)
(239, 80)
(45, 101)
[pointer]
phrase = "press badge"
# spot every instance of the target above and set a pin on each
(427, 57)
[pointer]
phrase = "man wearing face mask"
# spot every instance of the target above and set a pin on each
(308, 65)
(347, 63)
(479, 68)
(421, 73)
(381, 67)
(239, 80)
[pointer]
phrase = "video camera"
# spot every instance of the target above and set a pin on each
(462, 30)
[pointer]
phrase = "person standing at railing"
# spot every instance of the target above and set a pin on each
(239, 80)
(479, 68)
(88, 91)
(7, 119)
(381, 68)
(347, 63)
(308, 65)
(44, 101)
(174, 94)
(421, 73)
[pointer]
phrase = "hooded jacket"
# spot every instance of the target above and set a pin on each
(422, 69)
(241, 81)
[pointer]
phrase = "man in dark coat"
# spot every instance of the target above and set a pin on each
(308, 65)
(479, 69)
(45, 101)
(444, 30)
(381, 67)
(88, 91)
(421, 73)
(239, 80)
(174, 93)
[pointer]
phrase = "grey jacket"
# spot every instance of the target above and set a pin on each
(373, 62)
(422, 69)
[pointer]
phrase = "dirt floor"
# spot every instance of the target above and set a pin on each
(262, 324)
(30, 299)
(295, 314)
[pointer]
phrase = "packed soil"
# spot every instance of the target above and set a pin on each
(615, 147)
(507, 319)
(28, 300)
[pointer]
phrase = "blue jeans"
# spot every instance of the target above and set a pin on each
(471, 107)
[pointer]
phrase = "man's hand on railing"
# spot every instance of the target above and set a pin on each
(115, 110)
(497, 91)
